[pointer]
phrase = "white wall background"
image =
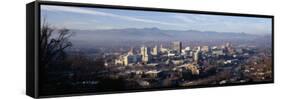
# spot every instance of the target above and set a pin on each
(12, 49)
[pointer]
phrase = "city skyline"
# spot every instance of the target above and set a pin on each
(85, 18)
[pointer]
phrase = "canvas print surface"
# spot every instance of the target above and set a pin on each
(88, 50)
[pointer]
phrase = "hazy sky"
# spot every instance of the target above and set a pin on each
(99, 18)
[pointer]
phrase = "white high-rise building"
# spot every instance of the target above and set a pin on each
(145, 53)
(196, 55)
(155, 51)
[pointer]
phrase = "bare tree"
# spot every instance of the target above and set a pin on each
(52, 46)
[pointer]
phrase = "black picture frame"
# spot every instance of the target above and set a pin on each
(32, 49)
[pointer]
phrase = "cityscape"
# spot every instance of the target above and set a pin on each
(143, 52)
(178, 65)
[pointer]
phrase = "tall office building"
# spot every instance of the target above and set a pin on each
(155, 51)
(177, 46)
(127, 59)
(145, 53)
(197, 55)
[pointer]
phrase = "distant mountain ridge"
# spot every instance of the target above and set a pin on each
(152, 34)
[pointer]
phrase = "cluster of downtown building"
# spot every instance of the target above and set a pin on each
(176, 56)
(181, 64)
(153, 65)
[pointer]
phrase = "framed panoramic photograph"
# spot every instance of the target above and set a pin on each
(84, 49)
